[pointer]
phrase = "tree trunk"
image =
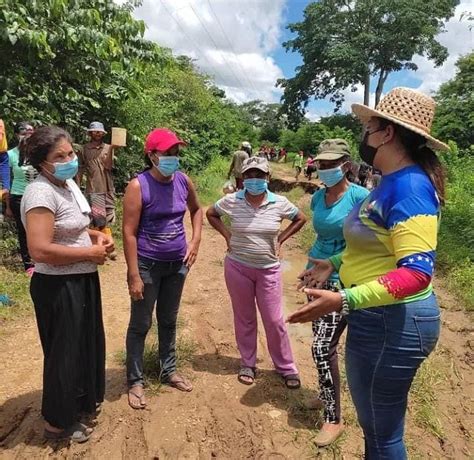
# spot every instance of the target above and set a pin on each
(367, 89)
(378, 92)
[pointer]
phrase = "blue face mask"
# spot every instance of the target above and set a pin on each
(256, 186)
(167, 165)
(65, 171)
(330, 177)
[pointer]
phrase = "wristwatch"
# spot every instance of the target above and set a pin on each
(345, 303)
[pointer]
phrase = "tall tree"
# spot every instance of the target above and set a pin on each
(266, 117)
(68, 61)
(344, 43)
(454, 118)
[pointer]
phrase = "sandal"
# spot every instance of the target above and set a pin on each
(76, 433)
(246, 375)
(141, 403)
(292, 381)
(179, 382)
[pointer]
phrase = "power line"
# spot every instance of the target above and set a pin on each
(215, 45)
(231, 46)
(201, 53)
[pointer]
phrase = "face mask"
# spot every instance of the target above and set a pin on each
(330, 177)
(167, 165)
(367, 152)
(256, 186)
(65, 171)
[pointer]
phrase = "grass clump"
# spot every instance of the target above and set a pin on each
(210, 181)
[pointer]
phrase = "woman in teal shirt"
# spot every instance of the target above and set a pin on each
(23, 174)
(330, 207)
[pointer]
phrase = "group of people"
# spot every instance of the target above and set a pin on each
(369, 270)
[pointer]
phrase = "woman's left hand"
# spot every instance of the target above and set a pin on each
(107, 241)
(322, 303)
(191, 253)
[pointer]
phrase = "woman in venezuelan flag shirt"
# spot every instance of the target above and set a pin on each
(386, 269)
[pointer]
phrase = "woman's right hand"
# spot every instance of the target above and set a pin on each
(135, 287)
(317, 275)
(97, 254)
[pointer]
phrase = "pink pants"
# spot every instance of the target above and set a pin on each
(245, 285)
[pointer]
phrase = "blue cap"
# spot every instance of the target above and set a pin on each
(96, 126)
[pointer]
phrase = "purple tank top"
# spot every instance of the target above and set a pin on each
(161, 234)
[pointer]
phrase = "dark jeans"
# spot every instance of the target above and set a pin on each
(384, 349)
(15, 202)
(164, 283)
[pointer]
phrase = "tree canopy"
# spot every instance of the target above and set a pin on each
(344, 43)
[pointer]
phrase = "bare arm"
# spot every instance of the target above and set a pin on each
(40, 232)
(196, 222)
(215, 220)
(132, 209)
(293, 228)
(231, 169)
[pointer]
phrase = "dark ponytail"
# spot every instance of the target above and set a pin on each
(422, 155)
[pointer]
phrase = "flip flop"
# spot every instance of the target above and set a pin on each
(141, 404)
(295, 378)
(76, 433)
(249, 373)
(179, 382)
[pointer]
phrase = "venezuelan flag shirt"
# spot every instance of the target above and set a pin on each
(391, 242)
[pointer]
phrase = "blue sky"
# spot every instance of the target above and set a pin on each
(239, 43)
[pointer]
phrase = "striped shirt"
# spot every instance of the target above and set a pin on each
(255, 230)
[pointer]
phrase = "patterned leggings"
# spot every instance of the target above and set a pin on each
(326, 333)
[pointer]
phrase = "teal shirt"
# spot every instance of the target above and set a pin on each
(22, 175)
(328, 221)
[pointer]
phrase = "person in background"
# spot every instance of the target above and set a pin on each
(238, 158)
(158, 257)
(65, 286)
(310, 167)
(298, 162)
(23, 173)
(252, 267)
(330, 207)
(283, 155)
(96, 160)
(4, 173)
(387, 268)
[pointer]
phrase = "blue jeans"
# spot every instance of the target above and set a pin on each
(385, 347)
(164, 283)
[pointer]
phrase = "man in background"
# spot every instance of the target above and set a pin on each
(238, 158)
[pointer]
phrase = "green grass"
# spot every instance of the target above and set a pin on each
(210, 181)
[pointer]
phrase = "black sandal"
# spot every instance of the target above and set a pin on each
(292, 378)
(248, 372)
(76, 433)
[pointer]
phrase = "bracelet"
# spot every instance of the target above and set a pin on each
(345, 303)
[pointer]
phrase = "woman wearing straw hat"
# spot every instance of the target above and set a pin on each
(330, 207)
(386, 269)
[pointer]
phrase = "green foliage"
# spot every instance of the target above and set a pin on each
(456, 236)
(210, 181)
(454, 118)
(344, 44)
(68, 62)
(310, 135)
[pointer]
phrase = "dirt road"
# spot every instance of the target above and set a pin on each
(221, 418)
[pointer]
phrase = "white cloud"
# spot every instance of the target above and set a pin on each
(229, 39)
(458, 39)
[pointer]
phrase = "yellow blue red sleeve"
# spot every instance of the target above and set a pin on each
(412, 225)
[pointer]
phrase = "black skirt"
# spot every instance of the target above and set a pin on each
(69, 315)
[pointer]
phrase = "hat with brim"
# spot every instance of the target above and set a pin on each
(255, 163)
(333, 149)
(96, 126)
(405, 107)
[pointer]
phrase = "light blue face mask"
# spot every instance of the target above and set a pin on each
(330, 177)
(65, 171)
(256, 186)
(167, 165)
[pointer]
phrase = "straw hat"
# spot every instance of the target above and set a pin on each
(405, 107)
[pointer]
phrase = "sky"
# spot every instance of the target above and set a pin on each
(239, 43)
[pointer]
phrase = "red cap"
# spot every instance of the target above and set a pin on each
(161, 139)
